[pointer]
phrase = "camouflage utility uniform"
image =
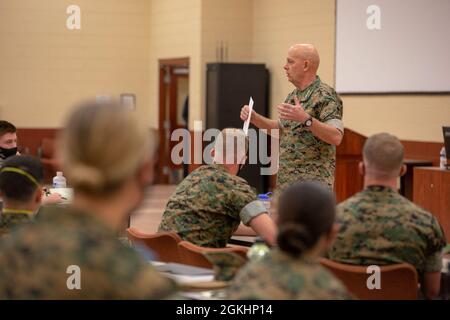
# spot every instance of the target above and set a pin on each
(11, 219)
(40, 261)
(282, 277)
(378, 226)
(302, 155)
(207, 206)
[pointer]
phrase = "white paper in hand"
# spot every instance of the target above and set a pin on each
(247, 122)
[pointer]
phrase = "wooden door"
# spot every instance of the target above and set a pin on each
(169, 89)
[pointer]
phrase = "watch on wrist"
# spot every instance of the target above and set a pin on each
(308, 122)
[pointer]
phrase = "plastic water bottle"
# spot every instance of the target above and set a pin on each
(59, 181)
(258, 250)
(443, 159)
(265, 199)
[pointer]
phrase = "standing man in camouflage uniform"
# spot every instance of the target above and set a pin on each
(379, 226)
(209, 204)
(310, 122)
(21, 190)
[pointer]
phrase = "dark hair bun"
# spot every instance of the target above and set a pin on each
(306, 213)
(295, 239)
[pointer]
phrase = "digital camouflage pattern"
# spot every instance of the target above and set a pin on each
(205, 207)
(279, 276)
(302, 155)
(11, 221)
(34, 261)
(225, 264)
(379, 226)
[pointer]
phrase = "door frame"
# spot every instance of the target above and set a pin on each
(167, 122)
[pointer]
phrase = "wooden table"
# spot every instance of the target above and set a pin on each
(246, 241)
(445, 278)
(432, 192)
(407, 180)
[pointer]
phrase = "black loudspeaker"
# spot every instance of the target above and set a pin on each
(229, 87)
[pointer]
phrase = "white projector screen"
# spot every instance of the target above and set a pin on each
(389, 46)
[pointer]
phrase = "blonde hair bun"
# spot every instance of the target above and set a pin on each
(103, 144)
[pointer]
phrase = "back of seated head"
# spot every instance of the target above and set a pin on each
(383, 156)
(102, 145)
(20, 176)
(306, 213)
(231, 146)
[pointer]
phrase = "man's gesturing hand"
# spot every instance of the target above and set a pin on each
(292, 112)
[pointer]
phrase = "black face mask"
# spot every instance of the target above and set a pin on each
(6, 153)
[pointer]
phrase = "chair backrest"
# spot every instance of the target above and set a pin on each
(164, 244)
(397, 281)
(192, 254)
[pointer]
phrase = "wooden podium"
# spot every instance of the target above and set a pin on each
(432, 192)
(348, 180)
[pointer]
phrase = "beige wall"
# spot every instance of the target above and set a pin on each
(193, 29)
(175, 32)
(227, 23)
(278, 24)
(45, 68)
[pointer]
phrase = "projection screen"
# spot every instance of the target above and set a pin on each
(389, 46)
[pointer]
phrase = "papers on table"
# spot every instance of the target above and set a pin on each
(205, 295)
(194, 282)
(157, 263)
(188, 279)
(65, 193)
(247, 122)
(184, 274)
(183, 269)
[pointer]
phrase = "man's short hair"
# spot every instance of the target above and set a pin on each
(231, 146)
(20, 176)
(383, 155)
(6, 127)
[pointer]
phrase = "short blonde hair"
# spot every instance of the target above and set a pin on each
(231, 146)
(383, 155)
(102, 145)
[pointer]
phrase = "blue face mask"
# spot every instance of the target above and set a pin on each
(6, 153)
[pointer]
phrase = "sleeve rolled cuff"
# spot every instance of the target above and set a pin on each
(434, 262)
(337, 123)
(252, 210)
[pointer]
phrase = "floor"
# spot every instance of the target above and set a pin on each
(148, 216)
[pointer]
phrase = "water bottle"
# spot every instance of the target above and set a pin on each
(265, 199)
(59, 181)
(443, 159)
(258, 250)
